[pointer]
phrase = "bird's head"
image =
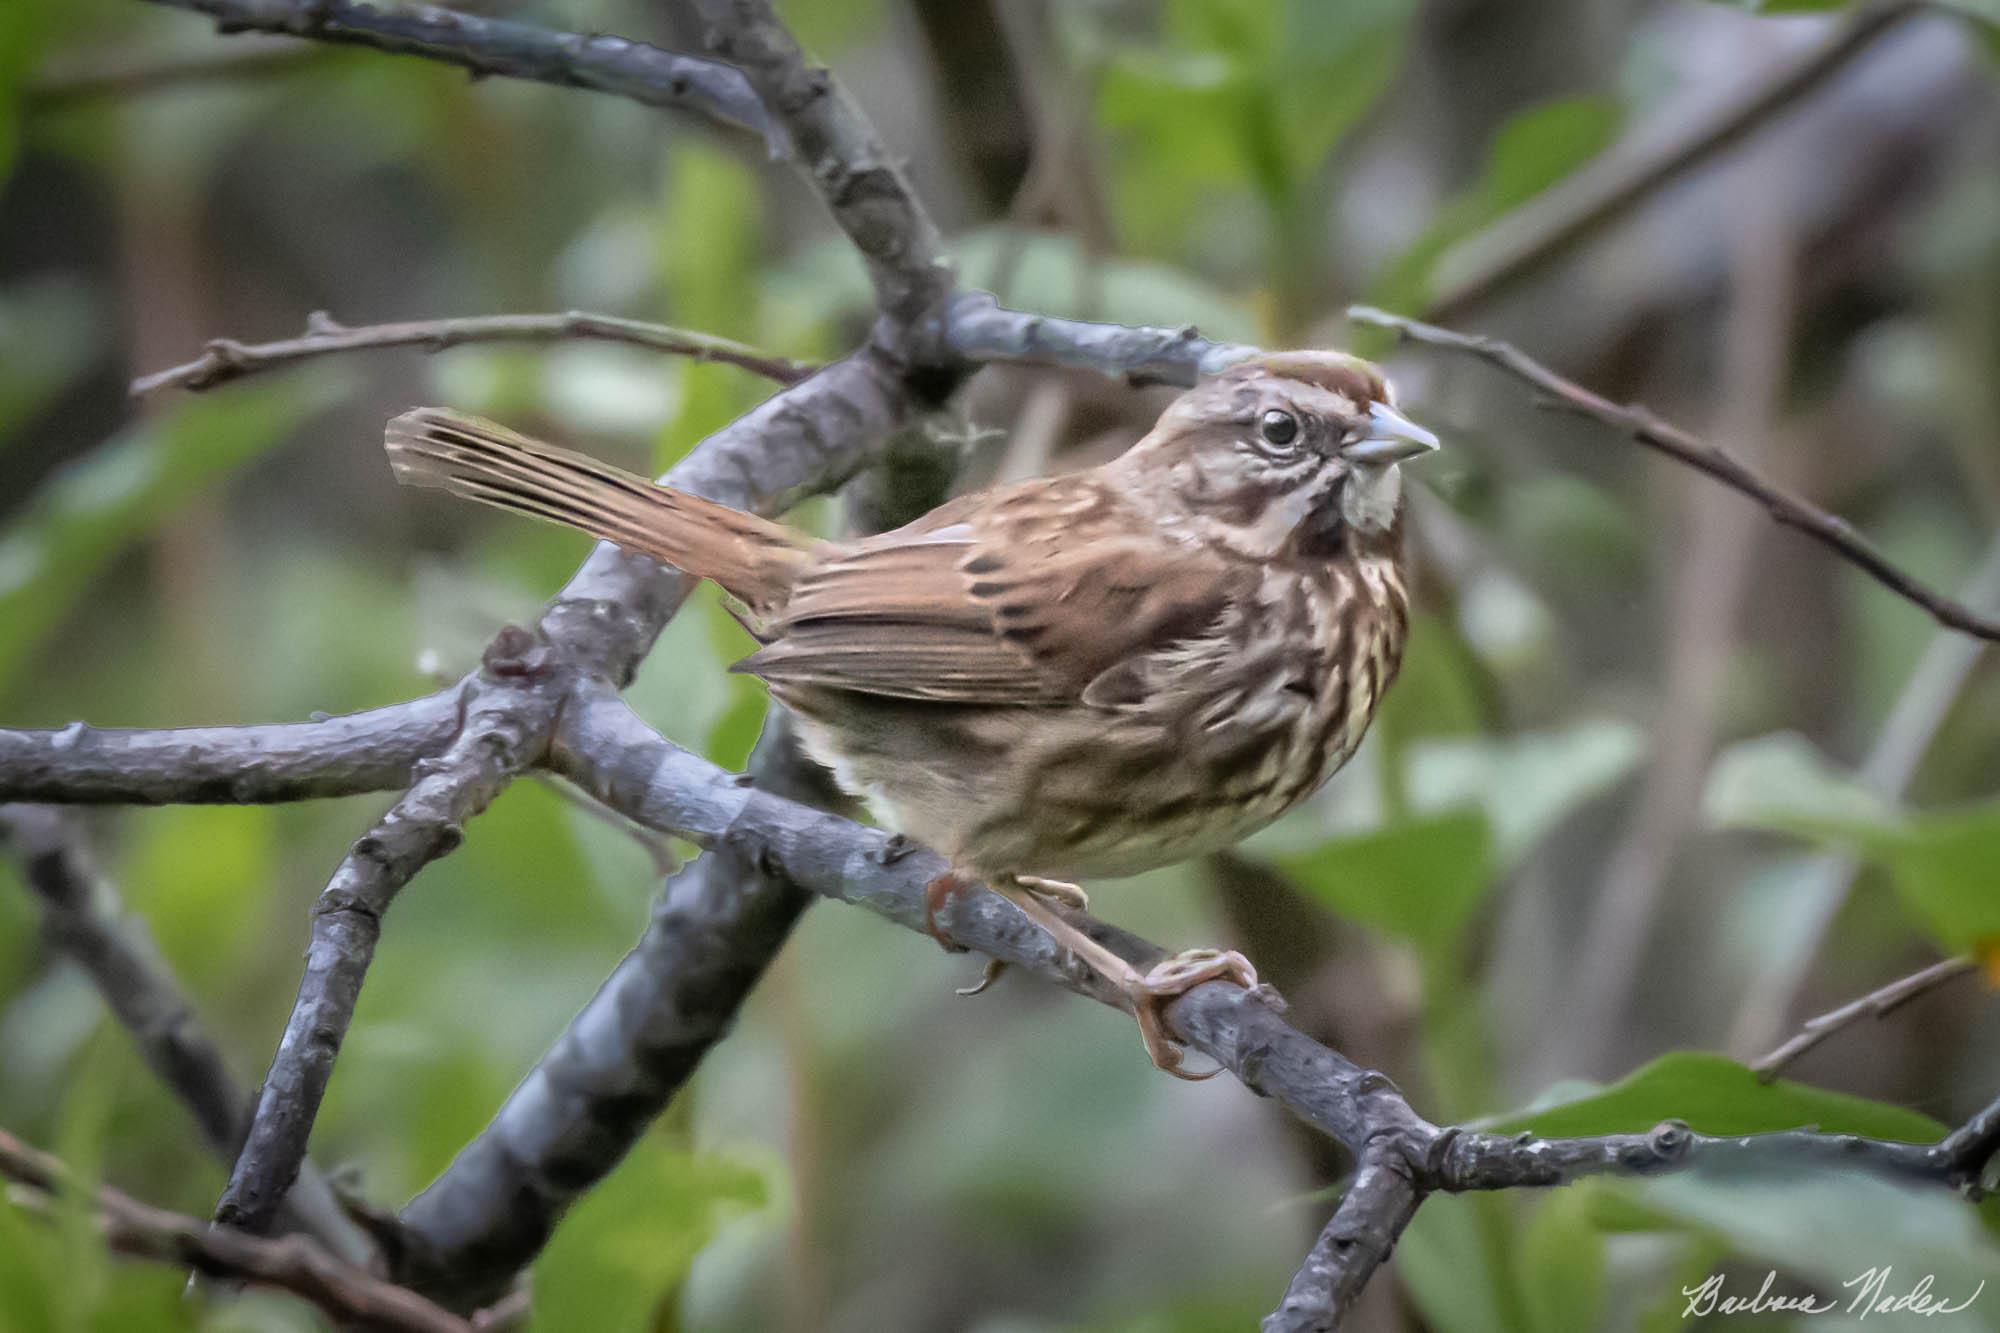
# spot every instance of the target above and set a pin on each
(1289, 451)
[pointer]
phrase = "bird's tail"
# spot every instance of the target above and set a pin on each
(755, 560)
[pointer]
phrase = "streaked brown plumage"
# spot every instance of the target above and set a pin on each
(1082, 675)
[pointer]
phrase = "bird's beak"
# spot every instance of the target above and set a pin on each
(1392, 438)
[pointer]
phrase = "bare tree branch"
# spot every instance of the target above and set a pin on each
(348, 1294)
(490, 46)
(507, 715)
(285, 761)
(226, 359)
(1553, 221)
(1891, 763)
(1836, 534)
(1357, 1239)
(606, 748)
(1878, 1003)
(83, 916)
(715, 927)
(810, 437)
(838, 150)
(979, 328)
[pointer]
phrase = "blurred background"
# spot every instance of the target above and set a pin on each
(1659, 780)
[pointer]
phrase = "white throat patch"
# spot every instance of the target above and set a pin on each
(1370, 496)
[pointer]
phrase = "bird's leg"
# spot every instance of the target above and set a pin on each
(1147, 994)
(936, 893)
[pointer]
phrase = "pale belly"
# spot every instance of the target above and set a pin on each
(1073, 793)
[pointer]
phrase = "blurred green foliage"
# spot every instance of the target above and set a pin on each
(864, 1151)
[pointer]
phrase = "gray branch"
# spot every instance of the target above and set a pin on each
(607, 749)
(286, 761)
(1357, 1239)
(840, 153)
(490, 46)
(508, 713)
(979, 328)
(806, 439)
(715, 927)
(84, 917)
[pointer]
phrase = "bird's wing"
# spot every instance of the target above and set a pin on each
(1037, 595)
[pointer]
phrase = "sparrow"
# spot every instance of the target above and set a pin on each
(1084, 675)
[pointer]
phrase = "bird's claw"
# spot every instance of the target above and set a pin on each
(1171, 978)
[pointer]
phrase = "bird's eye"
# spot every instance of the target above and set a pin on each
(1278, 428)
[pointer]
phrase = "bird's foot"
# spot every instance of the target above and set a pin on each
(936, 894)
(1170, 979)
(1058, 890)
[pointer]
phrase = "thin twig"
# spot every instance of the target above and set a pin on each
(1906, 735)
(1558, 218)
(491, 46)
(1645, 428)
(348, 1294)
(226, 359)
(1878, 1003)
(659, 850)
(83, 915)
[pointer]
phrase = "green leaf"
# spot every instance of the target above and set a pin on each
(1418, 880)
(1527, 783)
(1941, 864)
(199, 876)
(621, 1254)
(1532, 151)
(1833, 1229)
(124, 489)
(1541, 145)
(1782, 783)
(1330, 73)
(1947, 870)
(1717, 1096)
(1560, 1264)
(1447, 1266)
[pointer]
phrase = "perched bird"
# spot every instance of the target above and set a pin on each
(1091, 674)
